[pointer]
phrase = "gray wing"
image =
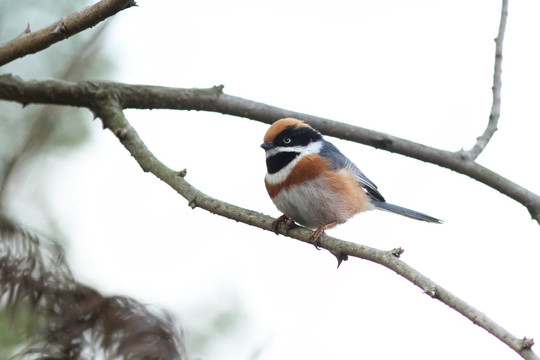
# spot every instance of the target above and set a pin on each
(340, 161)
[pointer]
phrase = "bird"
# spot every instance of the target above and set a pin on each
(313, 184)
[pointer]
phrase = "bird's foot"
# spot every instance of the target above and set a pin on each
(316, 236)
(283, 219)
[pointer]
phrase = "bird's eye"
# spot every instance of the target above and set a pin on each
(287, 140)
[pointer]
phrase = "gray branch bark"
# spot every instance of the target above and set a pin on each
(111, 113)
(483, 140)
(30, 42)
(108, 100)
(87, 94)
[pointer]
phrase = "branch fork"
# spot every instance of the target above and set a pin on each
(108, 100)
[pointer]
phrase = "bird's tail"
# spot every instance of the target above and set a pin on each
(404, 211)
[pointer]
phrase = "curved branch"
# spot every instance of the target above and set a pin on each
(110, 111)
(483, 140)
(44, 125)
(85, 94)
(31, 42)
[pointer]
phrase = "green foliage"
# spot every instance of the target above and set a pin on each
(15, 325)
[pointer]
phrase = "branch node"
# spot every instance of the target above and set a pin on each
(397, 252)
(218, 89)
(432, 292)
(464, 154)
(193, 203)
(131, 4)
(535, 214)
(182, 173)
(121, 134)
(527, 343)
(384, 142)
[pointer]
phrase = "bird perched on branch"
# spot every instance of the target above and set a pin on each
(311, 182)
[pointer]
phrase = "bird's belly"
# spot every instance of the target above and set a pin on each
(319, 202)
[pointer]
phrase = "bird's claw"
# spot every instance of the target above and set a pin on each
(316, 237)
(283, 219)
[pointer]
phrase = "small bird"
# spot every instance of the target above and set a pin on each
(311, 182)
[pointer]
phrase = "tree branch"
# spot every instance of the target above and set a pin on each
(108, 100)
(86, 94)
(483, 140)
(45, 123)
(31, 42)
(110, 111)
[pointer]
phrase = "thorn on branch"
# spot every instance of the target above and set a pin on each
(340, 257)
(60, 29)
(193, 203)
(27, 30)
(397, 252)
(527, 343)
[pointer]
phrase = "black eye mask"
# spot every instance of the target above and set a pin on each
(279, 161)
(299, 136)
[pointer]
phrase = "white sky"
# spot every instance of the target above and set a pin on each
(421, 70)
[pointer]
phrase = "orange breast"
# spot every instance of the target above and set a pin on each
(313, 195)
(308, 168)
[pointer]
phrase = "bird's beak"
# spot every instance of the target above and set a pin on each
(267, 145)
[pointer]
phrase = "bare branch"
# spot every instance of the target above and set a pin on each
(110, 111)
(45, 123)
(31, 42)
(87, 94)
(483, 140)
(107, 100)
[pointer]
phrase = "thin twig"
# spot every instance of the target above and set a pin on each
(45, 122)
(85, 94)
(110, 111)
(32, 42)
(483, 140)
(109, 107)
